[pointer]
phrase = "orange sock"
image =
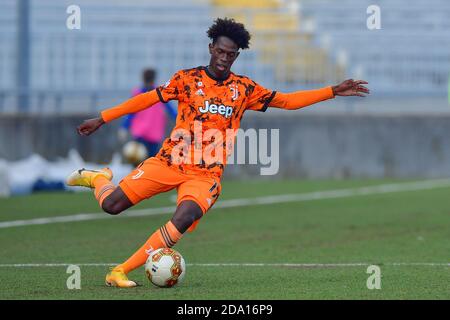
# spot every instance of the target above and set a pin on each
(103, 188)
(165, 237)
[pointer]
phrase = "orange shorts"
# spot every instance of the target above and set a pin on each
(153, 176)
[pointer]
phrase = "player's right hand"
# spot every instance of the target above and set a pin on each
(89, 126)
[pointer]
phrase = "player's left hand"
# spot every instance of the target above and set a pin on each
(351, 88)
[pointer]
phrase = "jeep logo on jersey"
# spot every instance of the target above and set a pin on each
(214, 108)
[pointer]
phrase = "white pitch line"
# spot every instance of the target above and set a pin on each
(46, 265)
(243, 202)
(319, 265)
(294, 265)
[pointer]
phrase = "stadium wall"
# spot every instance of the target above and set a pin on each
(311, 145)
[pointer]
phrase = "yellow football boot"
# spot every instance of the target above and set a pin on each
(118, 278)
(85, 178)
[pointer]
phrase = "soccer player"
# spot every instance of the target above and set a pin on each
(210, 98)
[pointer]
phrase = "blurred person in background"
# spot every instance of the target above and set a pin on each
(147, 127)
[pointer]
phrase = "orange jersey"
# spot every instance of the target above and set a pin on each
(209, 111)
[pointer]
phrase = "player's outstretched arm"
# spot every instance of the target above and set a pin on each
(300, 99)
(135, 104)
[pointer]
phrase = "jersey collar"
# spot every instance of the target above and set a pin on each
(210, 75)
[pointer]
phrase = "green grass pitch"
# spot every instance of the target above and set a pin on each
(409, 227)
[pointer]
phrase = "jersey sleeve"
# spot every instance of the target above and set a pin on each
(259, 98)
(301, 99)
(172, 89)
(132, 105)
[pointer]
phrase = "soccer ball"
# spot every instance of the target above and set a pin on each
(134, 152)
(165, 267)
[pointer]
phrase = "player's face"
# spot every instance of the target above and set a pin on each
(223, 54)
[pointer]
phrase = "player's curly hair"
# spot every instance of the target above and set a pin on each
(231, 29)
